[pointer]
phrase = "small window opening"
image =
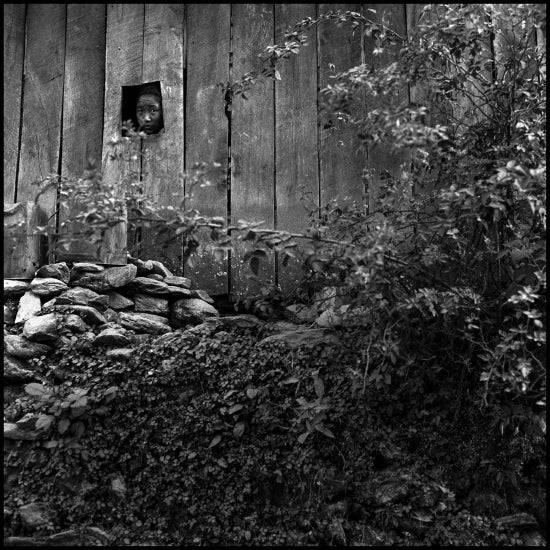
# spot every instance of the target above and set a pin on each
(142, 105)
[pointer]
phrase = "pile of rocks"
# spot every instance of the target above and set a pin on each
(113, 307)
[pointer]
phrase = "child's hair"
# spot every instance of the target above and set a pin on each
(149, 89)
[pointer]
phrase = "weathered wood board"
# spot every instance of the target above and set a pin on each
(163, 153)
(123, 67)
(42, 101)
(296, 134)
(342, 157)
(252, 142)
(24, 252)
(14, 48)
(206, 129)
(82, 109)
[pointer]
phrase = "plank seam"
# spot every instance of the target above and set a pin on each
(274, 88)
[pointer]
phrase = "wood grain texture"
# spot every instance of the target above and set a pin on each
(208, 46)
(82, 103)
(43, 101)
(342, 157)
(381, 160)
(297, 170)
(252, 142)
(24, 252)
(14, 47)
(163, 153)
(123, 67)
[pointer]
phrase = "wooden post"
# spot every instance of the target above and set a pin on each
(252, 143)
(24, 252)
(123, 67)
(42, 102)
(206, 128)
(14, 47)
(82, 108)
(162, 165)
(297, 170)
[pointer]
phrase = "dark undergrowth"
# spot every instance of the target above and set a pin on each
(217, 440)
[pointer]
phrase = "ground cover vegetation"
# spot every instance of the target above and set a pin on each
(447, 274)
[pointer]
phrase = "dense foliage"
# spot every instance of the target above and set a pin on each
(204, 443)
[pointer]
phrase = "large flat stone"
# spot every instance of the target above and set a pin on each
(145, 285)
(13, 431)
(89, 314)
(12, 288)
(191, 310)
(76, 295)
(20, 347)
(93, 281)
(16, 371)
(55, 271)
(118, 301)
(172, 280)
(151, 304)
(112, 337)
(161, 269)
(117, 277)
(47, 287)
(141, 324)
(42, 328)
(86, 266)
(29, 305)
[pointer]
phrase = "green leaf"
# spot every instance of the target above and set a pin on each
(238, 430)
(251, 393)
(324, 430)
(50, 444)
(303, 437)
(78, 429)
(229, 394)
(35, 389)
(215, 440)
(235, 408)
(63, 425)
(319, 387)
(44, 422)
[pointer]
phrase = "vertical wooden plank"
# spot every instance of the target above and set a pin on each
(208, 46)
(123, 67)
(252, 141)
(381, 160)
(42, 102)
(342, 157)
(14, 48)
(24, 252)
(297, 174)
(82, 104)
(163, 153)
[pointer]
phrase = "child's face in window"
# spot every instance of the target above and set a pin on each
(149, 113)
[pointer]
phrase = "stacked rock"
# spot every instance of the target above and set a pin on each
(107, 306)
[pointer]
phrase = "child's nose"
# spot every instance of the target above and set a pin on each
(148, 117)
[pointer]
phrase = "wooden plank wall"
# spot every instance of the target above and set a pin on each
(64, 69)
